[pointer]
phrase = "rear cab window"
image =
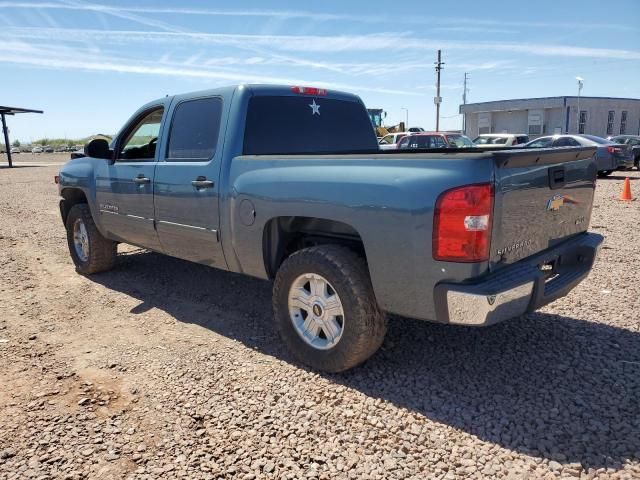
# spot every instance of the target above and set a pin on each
(288, 125)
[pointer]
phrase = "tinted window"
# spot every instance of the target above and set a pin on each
(302, 124)
(600, 140)
(424, 141)
(566, 142)
(194, 130)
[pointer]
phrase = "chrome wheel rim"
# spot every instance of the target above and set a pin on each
(316, 311)
(81, 240)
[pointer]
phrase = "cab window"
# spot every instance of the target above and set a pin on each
(140, 141)
(566, 142)
(194, 130)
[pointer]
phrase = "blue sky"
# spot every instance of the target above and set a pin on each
(89, 65)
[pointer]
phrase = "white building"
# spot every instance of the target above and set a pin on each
(602, 116)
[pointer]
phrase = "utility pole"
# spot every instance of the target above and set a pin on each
(464, 102)
(438, 99)
(406, 127)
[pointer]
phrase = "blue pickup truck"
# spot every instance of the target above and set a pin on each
(287, 184)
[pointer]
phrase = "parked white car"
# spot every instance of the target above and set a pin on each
(391, 140)
(15, 150)
(497, 140)
(36, 150)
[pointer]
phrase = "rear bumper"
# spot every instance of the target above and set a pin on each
(519, 288)
(626, 162)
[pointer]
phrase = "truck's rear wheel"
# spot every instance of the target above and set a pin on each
(90, 251)
(325, 308)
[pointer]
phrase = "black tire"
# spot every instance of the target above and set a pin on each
(604, 173)
(364, 324)
(102, 251)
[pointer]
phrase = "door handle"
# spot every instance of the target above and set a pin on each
(141, 179)
(202, 182)
(556, 177)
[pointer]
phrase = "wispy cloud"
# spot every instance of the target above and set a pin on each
(471, 23)
(21, 53)
(321, 44)
(118, 12)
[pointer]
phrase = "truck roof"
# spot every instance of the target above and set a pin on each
(262, 89)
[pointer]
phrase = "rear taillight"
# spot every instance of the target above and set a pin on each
(614, 149)
(462, 224)
(316, 92)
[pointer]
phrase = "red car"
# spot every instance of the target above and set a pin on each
(435, 140)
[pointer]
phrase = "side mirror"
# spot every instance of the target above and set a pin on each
(98, 148)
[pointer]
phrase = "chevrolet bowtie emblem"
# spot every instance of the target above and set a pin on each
(555, 202)
(558, 201)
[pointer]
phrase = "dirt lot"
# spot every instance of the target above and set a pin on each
(162, 368)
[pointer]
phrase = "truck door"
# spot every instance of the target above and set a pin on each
(186, 183)
(124, 189)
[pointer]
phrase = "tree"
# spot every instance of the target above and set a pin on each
(16, 143)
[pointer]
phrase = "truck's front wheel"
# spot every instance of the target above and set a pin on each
(325, 308)
(90, 251)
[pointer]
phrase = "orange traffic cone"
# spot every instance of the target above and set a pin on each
(626, 191)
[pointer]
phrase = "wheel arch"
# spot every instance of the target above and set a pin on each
(71, 197)
(285, 235)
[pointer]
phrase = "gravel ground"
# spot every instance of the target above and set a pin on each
(166, 369)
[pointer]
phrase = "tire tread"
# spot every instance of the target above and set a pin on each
(102, 251)
(371, 322)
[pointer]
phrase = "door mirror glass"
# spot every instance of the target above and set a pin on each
(98, 148)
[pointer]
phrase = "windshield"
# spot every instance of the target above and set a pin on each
(459, 141)
(540, 142)
(490, 140)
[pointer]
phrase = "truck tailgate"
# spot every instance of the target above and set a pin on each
(542, 197)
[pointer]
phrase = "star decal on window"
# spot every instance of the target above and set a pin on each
(315, 108)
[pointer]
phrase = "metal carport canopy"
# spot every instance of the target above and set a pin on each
(11, 111)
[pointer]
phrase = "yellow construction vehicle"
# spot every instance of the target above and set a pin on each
(377, 115)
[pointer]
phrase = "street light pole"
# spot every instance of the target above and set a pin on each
(406, 125)
(580, 84)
